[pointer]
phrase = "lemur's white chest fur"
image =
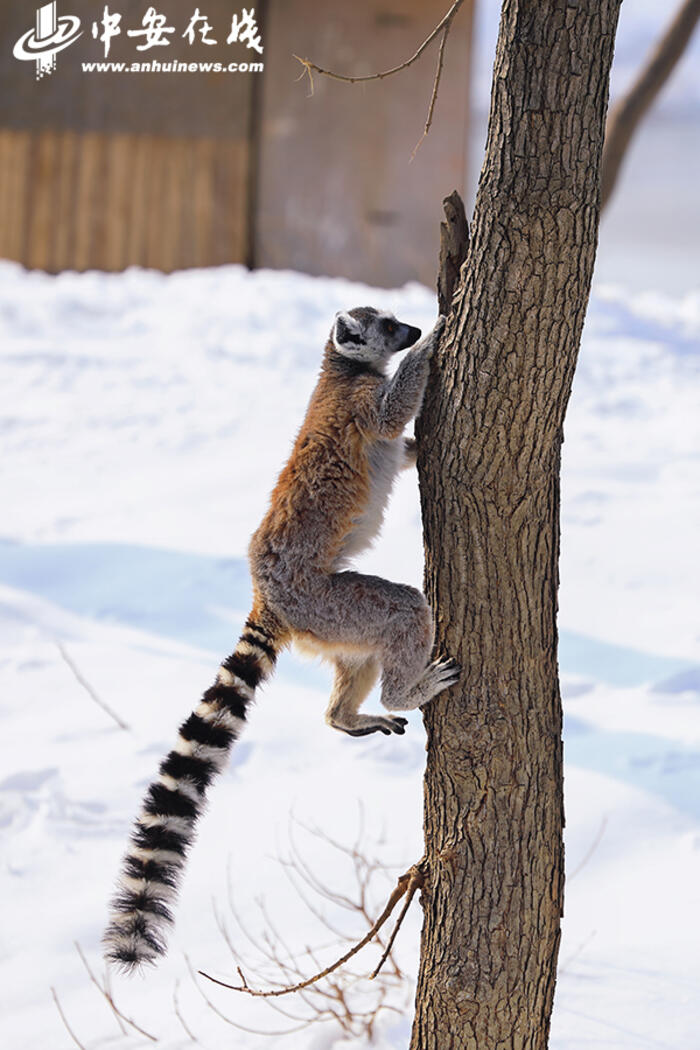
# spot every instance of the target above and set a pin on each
(385, 459)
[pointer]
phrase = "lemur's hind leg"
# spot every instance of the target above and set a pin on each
(391, 620)
(354, 677)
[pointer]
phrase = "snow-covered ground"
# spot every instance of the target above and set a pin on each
(144, 419)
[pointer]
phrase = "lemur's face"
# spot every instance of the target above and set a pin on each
(371, 336)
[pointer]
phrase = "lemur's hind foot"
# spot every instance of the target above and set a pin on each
(363, 725)
(438, 675)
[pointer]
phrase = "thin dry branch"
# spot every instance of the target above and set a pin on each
(590, 851)
(104, 991)
(364, 867)
(70, 1031)
(417, 879)
(443, 27)
(259, 944)
(406, 885)
(434, 93)
(288, 868)
(358, 907)
(176, 1008)
(89, 689)
(101, 990)
(575, 954)
(356, 853)
(626, 115)
(313, 882)
(236, 954)
(333, 999)
(228, 1020)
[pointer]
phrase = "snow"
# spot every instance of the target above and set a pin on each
(144, 419)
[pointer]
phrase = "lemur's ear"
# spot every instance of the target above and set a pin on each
(347, 332)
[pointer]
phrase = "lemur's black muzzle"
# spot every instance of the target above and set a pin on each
(412, 336)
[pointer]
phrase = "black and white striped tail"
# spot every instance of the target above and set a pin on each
(141, 910)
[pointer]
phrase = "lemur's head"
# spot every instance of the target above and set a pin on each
(371, 336)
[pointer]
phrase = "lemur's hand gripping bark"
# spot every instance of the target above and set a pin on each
(403, 395)
(433, 338)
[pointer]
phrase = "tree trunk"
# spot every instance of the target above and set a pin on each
(489, 444)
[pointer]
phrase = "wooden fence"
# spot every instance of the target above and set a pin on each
(105, 170)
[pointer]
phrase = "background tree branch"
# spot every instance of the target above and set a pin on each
(442, 29)
(627, 113)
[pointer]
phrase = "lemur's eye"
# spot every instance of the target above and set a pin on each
(389, 326)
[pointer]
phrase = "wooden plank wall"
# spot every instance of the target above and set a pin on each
(339, 191)
(109, 170)
(106, 171)
(84, 200)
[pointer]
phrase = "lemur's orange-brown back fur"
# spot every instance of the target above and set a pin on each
(326, 482)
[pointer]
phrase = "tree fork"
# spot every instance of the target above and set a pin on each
(488, 460)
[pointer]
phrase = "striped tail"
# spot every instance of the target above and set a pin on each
(141, 910)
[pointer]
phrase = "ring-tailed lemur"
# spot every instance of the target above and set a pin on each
(327, 506)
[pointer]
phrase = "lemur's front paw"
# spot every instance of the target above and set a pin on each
(410, 452)
(434, 337)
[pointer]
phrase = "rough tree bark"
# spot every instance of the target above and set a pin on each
(489, 445)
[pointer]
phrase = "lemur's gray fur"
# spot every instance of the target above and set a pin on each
(327, 506)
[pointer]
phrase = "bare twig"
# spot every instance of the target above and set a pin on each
(89, 689)
(339, 997)
(627, 113)
(260, 945)
(70, 1031)
(236, 914)
(443, 27)
(356, 852)
(416, 880)
(434, 93)
(310, 67)
(288, 868)
(590, 851)
(236, 954)
(104, 991)
(101, 990)
(228, 1020)
(575, 954)
(176, 1008)
(312, 881)
(130, 1021)
(403, 886)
